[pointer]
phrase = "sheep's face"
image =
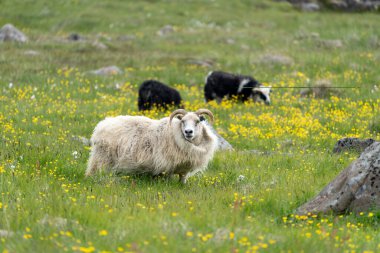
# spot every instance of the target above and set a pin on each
(262, 93)
(190, 126)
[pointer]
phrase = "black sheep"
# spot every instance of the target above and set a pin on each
(154, 93)
(221, 84)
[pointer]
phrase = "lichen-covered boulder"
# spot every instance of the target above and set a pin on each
(352, 144)
(10, 33)
(222, 143)
(353, 5)
(355, 189)
(340, 5)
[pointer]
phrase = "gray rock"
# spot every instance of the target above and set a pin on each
(230, 41)
(168, 29)
(126, 37)
(10, 33)
(355, 189)
(309, 7)
(337, 4)
(222, 143)
(103, 37)
(6, 233)
(349, 144)
(99, 45)
(307, 35)
(353, 5)
(107, 71)
(340, 5)
(330, 44)
(276, 59)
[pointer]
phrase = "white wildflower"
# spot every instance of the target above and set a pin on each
(75, 154)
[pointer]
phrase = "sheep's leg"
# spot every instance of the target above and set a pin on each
(96, 164)
(93, 161)
(92, 166)
(99, 159)
(183, 178)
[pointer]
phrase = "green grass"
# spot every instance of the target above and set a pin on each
(49, 205)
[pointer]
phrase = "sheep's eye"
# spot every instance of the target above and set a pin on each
(202, 118)
(197, 122)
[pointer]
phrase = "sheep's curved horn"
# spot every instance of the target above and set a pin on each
(207, 112)
(175, 113)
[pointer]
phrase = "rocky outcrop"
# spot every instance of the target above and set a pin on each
(352, 144)
(352, 5)
(355, 189)
(307, 6)
(222, 143)
(340, 5)
(10, 33)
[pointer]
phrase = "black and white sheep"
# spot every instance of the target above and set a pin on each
(154, 93)
(181, 144)
(219, 85)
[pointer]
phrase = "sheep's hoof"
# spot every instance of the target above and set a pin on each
(88, 174)
(182, 179)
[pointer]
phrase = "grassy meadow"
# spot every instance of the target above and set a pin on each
(245, 201)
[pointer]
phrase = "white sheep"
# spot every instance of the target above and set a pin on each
(181, 144)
